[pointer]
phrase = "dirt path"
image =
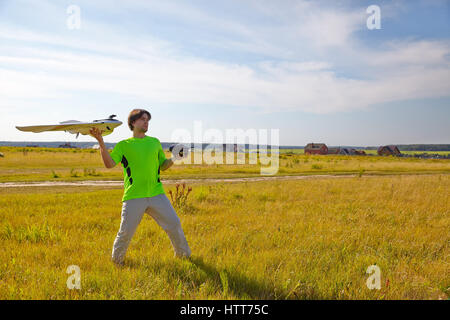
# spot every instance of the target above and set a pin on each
(117, 183)
(100, 183)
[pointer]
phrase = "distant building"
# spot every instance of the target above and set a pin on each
(95, 146)
(338, 150)
(360, 152)
(333, 150)
(316, 148)
(389, 150)
(344, 151)
(66, 145)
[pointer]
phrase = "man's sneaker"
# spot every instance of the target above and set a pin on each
(118, 263)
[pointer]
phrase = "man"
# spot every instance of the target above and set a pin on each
(142, 158)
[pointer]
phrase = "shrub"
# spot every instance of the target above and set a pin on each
(54, 174)
(91, 172)
(238, 196)
(180, 196)
(74, 173)
(361, 171)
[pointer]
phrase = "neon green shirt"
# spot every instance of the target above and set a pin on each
(141, 159)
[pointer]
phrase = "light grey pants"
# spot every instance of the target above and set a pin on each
(158, 207)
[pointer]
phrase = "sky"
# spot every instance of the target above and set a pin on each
(311, 69)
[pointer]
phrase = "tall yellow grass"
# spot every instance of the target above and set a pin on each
(305, 239)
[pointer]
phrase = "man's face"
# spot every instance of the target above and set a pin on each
(141, 124)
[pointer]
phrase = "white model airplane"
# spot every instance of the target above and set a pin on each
(77, 127)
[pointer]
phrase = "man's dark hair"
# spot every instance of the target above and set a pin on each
(136, 114)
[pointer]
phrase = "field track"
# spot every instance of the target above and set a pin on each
(102, 183)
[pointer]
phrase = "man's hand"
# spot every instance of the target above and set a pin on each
(96, 133)
(107, 160)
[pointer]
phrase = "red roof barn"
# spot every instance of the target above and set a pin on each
(390, 150)
(316, 148)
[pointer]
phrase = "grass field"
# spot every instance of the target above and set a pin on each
(309, 239)
(42, 164)
(294, 239)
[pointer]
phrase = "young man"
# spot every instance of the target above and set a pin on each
(142, 158)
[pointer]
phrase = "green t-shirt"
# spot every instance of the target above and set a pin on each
(141, 159)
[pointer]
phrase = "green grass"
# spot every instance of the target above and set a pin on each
(305, 239)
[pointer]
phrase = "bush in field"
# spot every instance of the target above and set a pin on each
(54, 174)
(74, 173)
(180, 196)
(361, 171)
(91, 172)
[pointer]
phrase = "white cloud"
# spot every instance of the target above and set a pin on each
(330, 28)
(39, 65)
(412, 53)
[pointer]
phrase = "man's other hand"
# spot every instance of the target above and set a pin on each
(179, 151)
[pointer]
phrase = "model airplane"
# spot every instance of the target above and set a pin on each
(77, 127)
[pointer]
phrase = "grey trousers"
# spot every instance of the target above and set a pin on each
(160, 209)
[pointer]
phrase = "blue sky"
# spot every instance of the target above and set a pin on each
(311, 69)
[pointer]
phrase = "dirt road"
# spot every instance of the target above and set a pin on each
(100, 183)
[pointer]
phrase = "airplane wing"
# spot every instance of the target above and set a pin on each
(76, 127)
